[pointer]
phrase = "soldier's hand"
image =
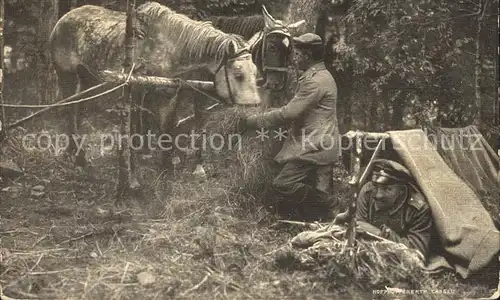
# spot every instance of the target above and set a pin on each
(242, 125)
(341, 218)
(246, 124)
(367, 227)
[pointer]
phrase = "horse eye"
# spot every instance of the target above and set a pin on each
(271, 47)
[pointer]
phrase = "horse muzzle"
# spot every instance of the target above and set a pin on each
(274, 80)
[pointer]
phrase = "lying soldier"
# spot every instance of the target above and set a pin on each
(391, 207)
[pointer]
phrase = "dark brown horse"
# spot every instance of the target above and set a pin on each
(168, 44)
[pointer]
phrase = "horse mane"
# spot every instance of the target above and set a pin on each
(244, 26)
(193, 41)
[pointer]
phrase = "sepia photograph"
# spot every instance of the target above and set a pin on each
(249, 149)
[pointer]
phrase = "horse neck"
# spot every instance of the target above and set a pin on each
(244, 26)
(255, 39)
(210, 60)
(185, 70)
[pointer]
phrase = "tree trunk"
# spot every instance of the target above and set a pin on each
(387, 111)
(346, 94)
(373, 113)
(121, 5)
(49, 14)
(3, 118)
(307, 10)
(478, 65)
(398, 109)
(66, 5)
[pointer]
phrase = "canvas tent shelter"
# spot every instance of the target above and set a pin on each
(458, 172)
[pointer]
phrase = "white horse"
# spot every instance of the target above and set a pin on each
(169, 43)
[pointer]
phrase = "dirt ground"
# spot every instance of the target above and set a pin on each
(181, 237)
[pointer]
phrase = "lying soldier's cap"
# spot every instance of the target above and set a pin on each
(390, 172)
(308, 39)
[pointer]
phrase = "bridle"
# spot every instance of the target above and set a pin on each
(243, 53)
(260, 52)
(281, 31)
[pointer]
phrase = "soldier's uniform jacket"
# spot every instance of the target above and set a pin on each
(313, 134)
(409, 222)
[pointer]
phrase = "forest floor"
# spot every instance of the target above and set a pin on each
(182, 236)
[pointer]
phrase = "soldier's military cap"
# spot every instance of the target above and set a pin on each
(390, 172)
(308, 39)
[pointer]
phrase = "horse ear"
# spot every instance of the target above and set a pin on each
(269, 21)
(297, 24)
(233, 47)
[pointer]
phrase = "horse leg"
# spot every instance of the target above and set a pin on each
(141, 115)
(68, 83)
(198, 159)
(166, 129)
(82, 110)
(168, 119)
(137, 95)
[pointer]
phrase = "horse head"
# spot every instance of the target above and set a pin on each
(236, 76)
(272, 53)
(175, 44)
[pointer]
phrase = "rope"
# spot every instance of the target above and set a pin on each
(199, 91)
(76, 101)
(66, 103)
(129, 74)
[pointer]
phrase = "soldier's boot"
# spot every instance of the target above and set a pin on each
(317, 206)
(288, 205)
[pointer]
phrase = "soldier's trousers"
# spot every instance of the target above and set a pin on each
(307, 187)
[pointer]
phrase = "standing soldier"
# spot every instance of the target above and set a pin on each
(312, 145)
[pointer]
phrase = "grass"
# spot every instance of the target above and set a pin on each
(181, 237)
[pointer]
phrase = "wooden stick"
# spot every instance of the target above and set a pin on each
(311, 225)
(372, 135)
(368, 168)
(39, 251)
(49, 272)
(116, 77)
(351, 230)
(77, 238)
(3, 117)
(192, 116)
(197, 286)
(124, 159)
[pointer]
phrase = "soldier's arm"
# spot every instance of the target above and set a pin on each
(419, 233)
(363, 203)
(308, 95)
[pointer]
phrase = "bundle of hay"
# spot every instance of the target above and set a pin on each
(255, 168)
(225, 120)
(377, 263)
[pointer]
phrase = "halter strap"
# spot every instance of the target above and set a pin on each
(279, 69)
(223, 63)
(281, 31)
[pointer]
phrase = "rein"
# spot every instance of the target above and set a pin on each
(265, 67)
(243, 53)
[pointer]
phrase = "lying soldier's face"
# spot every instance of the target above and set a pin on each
(386, 195)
